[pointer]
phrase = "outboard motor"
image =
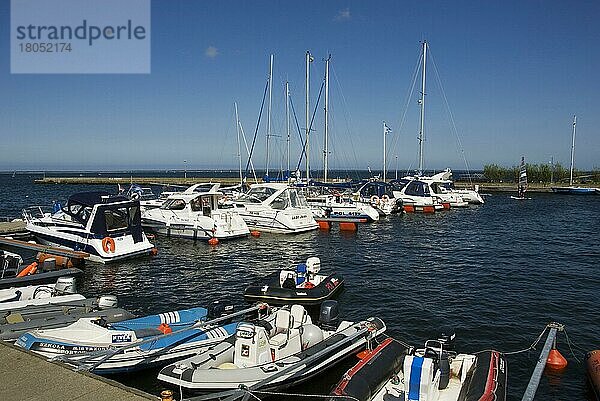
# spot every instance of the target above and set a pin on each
(329, 316)
(313, 265)
(107, 302)
(219, 309)
(65, 285)
(435, 349)
(447, 338)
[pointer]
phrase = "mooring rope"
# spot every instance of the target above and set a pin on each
(570, 348)
(341, 397)
(530, 348)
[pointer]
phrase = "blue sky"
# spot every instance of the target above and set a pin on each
(513, 73)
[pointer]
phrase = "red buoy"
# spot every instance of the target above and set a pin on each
(213, 241)
(324, 225)
(154, 251)
(255, 233)
(555, 360)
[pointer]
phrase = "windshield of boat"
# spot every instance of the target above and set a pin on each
(296, 199)
(257, 195)
(173, 204)
(78, 212)
(417, 188)
(117, 219)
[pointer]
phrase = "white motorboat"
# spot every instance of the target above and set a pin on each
(379, 195)
(106, 226)
(340, 205)
(416, 196)
(196, 213)
(277, 208)
(281, 350)
(62, 291)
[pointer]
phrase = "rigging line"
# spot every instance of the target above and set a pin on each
(256, 130)
(453, 124)
(415, 75)
(531, 347)
(302, 142)
(569, 344)
(345, 106)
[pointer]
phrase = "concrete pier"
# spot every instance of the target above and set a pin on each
(26, 376)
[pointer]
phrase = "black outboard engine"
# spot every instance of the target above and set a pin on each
(218, 309)
(329, 316)
(447, 338)
(444, 370)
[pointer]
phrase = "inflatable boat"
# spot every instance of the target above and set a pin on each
(281, 350)
(13, 323)
(302, 285)
(63, 291)
(394, 371)
(13, 272)
(145, 341)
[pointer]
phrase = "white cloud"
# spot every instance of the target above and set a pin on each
(211, 52)
(343, 15)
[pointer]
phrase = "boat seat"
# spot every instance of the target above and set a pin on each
(283, 322)
(298, 316)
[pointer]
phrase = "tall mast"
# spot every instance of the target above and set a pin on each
(287, 119)
(384, 135)
(239, 154)
(573, 151)
(325, 147)
(422, 103)
(307, 146)
(269, 111)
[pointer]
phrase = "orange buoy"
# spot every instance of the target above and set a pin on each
(348, 226)
(428, 209)
(592, 366)
(61, 261)
(555, 360)
(154, 251)
(324, 225)
(213, 241)
(255, 233)
(409, 208)
(166, 395)
(446, 205)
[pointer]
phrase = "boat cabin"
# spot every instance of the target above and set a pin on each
(277, 196)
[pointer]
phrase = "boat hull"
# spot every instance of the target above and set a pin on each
(574, 190)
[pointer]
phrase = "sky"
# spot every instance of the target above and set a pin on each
(504, 81)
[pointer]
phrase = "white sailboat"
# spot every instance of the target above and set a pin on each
(522, 184)
(572, 190)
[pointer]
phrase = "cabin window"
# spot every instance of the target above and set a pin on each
(281, 202)
(196, 205)
(115, 219)
(257, 195)
(417, 188)
(174, 204)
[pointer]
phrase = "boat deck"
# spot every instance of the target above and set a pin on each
(30, 377)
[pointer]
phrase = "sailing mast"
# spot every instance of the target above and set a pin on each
(239, 153)
(325, 148)
(287, 118)
(573, 151)
(309, 59)
(269, 112)
(422, 104)
(384, 135)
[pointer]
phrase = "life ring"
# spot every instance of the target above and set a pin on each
(375, 199)
(108, 244)
(385, 198)
(32, 268)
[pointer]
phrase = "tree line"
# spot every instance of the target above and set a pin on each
(540, 173)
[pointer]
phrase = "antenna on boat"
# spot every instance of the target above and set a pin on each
(422, 105)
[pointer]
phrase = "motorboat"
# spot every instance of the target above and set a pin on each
(416, 196)
(275, 207)
(128, 345)
(195, 214)
(339, 205)
(283, 349)
(442, 187)
(106, 226)
(302, 285)
(14, 323)
(13, 272)
(379, 195)
(63, 291)
(394, 371)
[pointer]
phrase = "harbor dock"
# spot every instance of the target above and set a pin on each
(30, 377)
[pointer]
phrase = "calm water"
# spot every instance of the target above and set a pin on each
(496, 273)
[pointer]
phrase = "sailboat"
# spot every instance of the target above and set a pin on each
(522, 185)
(572, 190)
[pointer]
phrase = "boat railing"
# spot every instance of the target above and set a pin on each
(35, 212)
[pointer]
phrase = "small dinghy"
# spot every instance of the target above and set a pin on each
(20, 321)
(396, 372)
(283, 349)
(302, 285)
(129, 345)
(63, 291)
(13, 272)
